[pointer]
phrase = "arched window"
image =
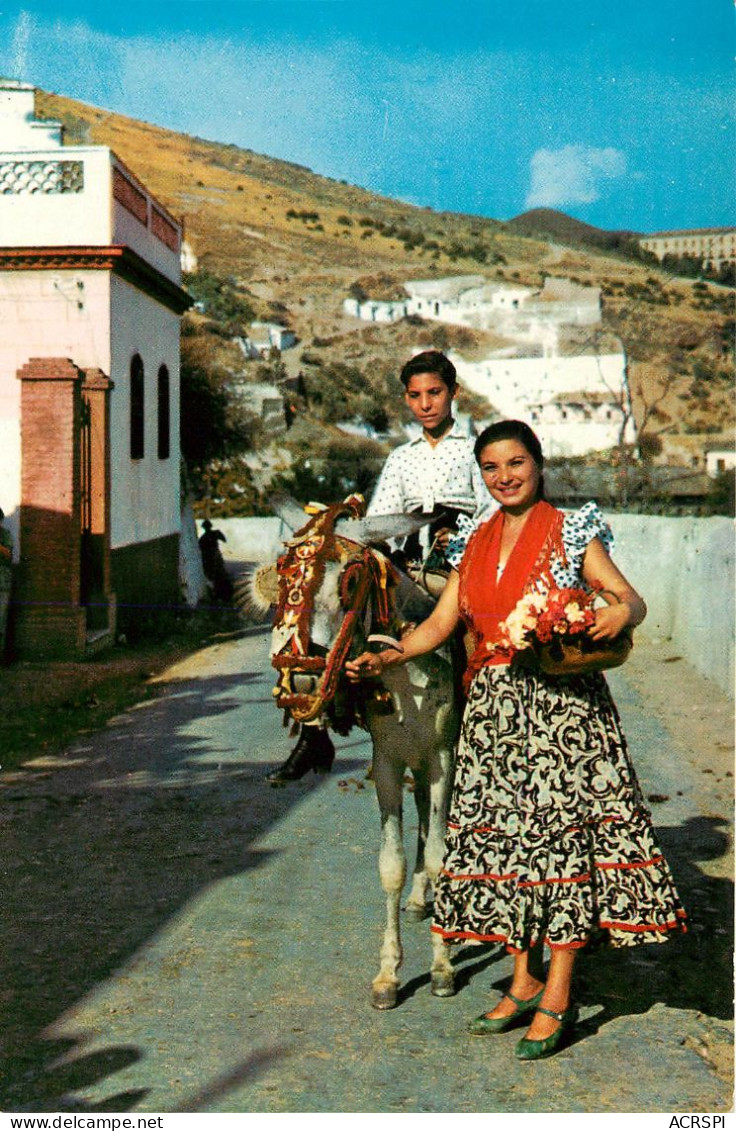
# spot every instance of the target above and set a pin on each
(137, 405)
(164, 413)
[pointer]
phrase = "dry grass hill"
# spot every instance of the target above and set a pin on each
(293, 242)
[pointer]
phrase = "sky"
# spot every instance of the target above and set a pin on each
(618, 112)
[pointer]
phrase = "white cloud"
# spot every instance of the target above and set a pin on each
(19, 44)
(572, 175)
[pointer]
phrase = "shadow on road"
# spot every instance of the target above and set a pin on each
(692, 971)
(96, 859)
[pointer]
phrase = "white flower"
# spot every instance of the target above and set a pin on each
(522, 619)
(574, 613)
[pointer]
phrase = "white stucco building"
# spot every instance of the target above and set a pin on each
(719, 458)
(574, 404)
(375, 310)
(265, 336)
(518, 312)
(90, 275)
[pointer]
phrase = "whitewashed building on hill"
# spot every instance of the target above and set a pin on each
(719, 458)
(90, 304)
(443, 299)
(519, 313)
(575, 405)
(265, 336)
(189, 261)
(375, 310)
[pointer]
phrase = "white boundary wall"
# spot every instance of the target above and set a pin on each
(251, 539)
(683, 567)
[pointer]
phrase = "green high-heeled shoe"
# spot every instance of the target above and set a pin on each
(535, 1050)
(483, 1025)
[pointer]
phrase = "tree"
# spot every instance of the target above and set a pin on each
(215, 423)
(722, 494)
(328, 468)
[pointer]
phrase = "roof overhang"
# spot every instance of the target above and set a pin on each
(120, 260)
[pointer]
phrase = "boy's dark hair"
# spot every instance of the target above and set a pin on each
(430, 361)
(513, 430)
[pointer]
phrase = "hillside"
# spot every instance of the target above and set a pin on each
(547, 223)
(293, 243)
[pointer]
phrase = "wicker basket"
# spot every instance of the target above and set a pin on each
(578, 655)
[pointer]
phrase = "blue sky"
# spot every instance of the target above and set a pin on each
(619, 112)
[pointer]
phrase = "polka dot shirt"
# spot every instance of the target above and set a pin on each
(579, 528)
(420, 477)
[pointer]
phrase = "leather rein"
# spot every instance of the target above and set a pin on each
(367, 576)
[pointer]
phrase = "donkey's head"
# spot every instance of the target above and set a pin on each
(333, 589)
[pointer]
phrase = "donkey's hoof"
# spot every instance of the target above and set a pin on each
(416, 912)
(442, 983)
(385, 997)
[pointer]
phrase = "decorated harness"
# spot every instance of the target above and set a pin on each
(308, 683)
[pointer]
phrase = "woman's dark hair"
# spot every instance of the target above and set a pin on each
(430, 361)
(513, 430)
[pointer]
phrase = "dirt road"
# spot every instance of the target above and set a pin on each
(180, 936)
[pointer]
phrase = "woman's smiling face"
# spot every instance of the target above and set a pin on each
(510, 474)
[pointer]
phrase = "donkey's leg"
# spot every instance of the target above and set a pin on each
(389, 780)
(416, 904)
(442, 974)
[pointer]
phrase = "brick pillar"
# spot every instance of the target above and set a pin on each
(96, 572)
(49, 620)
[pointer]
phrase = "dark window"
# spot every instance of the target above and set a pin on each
(164, 414)
(136, 408)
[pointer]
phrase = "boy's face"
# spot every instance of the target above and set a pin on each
(430, 400)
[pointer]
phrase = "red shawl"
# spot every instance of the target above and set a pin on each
(486, 600)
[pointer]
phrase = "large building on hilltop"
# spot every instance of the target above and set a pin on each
(90, 302)
(714, 247)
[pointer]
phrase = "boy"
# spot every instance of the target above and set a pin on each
(436, 473)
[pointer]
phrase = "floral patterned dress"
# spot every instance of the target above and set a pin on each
(548, 834)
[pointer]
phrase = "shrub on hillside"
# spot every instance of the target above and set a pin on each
(326, 471)
(220, 299)
(228, 490)
(722, 495)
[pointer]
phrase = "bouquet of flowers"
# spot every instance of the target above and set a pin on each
(554, 625)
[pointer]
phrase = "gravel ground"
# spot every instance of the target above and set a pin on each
(181, 937)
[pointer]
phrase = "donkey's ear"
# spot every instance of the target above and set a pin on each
(288, 509)
(381, 527)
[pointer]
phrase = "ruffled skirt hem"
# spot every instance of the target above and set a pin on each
(548, 836)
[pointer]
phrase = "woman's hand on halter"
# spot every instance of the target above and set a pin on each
(425, 638)
(369, 665)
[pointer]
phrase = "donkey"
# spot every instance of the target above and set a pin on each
(335, 592)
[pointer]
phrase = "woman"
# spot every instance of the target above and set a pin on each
(548, 837)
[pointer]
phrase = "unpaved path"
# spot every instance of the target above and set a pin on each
(179, 936)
